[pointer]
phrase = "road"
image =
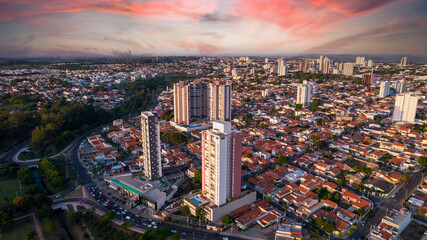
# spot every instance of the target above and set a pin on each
(187, 233)
(9, 154)
(387, 205)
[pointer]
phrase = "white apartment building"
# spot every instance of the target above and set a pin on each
(304, 94)
(151, 155)
(384, 89)
(405, 107)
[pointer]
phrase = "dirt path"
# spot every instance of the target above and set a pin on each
(38, 228)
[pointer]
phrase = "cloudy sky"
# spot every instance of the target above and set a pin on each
(30, 28)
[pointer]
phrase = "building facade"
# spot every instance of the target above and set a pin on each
(190, 101)
(151, 155)
(401, 86)
(304, 94)
(282, 68)
(405, 107)
(384, 89)
(219, 101)
(221, 162)
(348, 69)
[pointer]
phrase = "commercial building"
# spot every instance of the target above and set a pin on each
(289, 231)
(348, 69)
(221, 162)
(151, 155)
(200, 101)
(392, 225)
(384, 89)
(304, 94)
(282, 69)
(405, 107)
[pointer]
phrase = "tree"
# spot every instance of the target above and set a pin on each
(185, 210)
(198, 176)
(283, 160)
(44, 211)
(22, 203)
(5, 220)
(227, 220)
(421, 213)
(320, 121)
(126, 225)
(249, 155)
(298, 106)
(30, 235)
(25, 175)
(200, 213)
(337, 196)
(108, 216)
(31, 189)
(48, 225)
(75, 217)
(360, 211)
(405, 178)
(422, 161)
(176, 236)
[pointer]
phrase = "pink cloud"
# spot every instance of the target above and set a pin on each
(307, 17)
(11, 10)
(202, 48)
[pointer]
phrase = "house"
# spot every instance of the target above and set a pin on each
(378, 184)
(349, 196)
(400, 147)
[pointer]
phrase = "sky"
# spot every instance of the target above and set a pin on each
(72, 28)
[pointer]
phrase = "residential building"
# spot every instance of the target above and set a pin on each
(151, 155)
(190, 101)
(221, 162)
(282, 68)
(384, 89)
(368, 79)
(403, 61)
(348, 69)
(400, 86)
(304, 94)
(219, 101)
(326, 65)
(405, 107)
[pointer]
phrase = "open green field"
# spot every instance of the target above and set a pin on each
(18, 229)
(10, 188)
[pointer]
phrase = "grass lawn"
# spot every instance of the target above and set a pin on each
(24, 156)
(10, 187)
(18, 229)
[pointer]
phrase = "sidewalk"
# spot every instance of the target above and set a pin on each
(63, 152)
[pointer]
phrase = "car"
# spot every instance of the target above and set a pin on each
(149, 225)
(173, 231)
(394, 194)
(155, 227)
(127, 217)
(225, 238)
(58, 196)
(154, 223)
(183, 233)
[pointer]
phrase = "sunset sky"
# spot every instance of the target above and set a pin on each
(31, 28)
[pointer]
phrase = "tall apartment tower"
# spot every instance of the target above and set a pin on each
(221, 162)
(151, 145)
(403, 61)
(405, 107)
(321, 63)
(190, 101)
(400, 86)
(304, 94)
(219, 101)
(282, 69)
(348, 69)
(368, 79)
(384, 89)
(326, 65)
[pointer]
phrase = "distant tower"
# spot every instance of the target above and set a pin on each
(326, 65)
(384, 89)
(403, 61)
(221, 162)
(304, 94)
(151, 145)
(321, 63)
(266, 60)
(219, 101)
(405, 107)
(368, 79)
(282, 69)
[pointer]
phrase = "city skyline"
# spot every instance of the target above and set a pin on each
(245, 27)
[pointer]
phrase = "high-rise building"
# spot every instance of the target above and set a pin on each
(282, 69)
(400, 86)
(151, 156)
(405, 107)
(368, 79)
(326, 65)
(403, 61)
(384, 89)
(370, 63)
(348, 69)
(266, 60)
(221, 162)
(321, 63)
(190, 101)
(360, 60)
(304, 94)
(219, 101)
